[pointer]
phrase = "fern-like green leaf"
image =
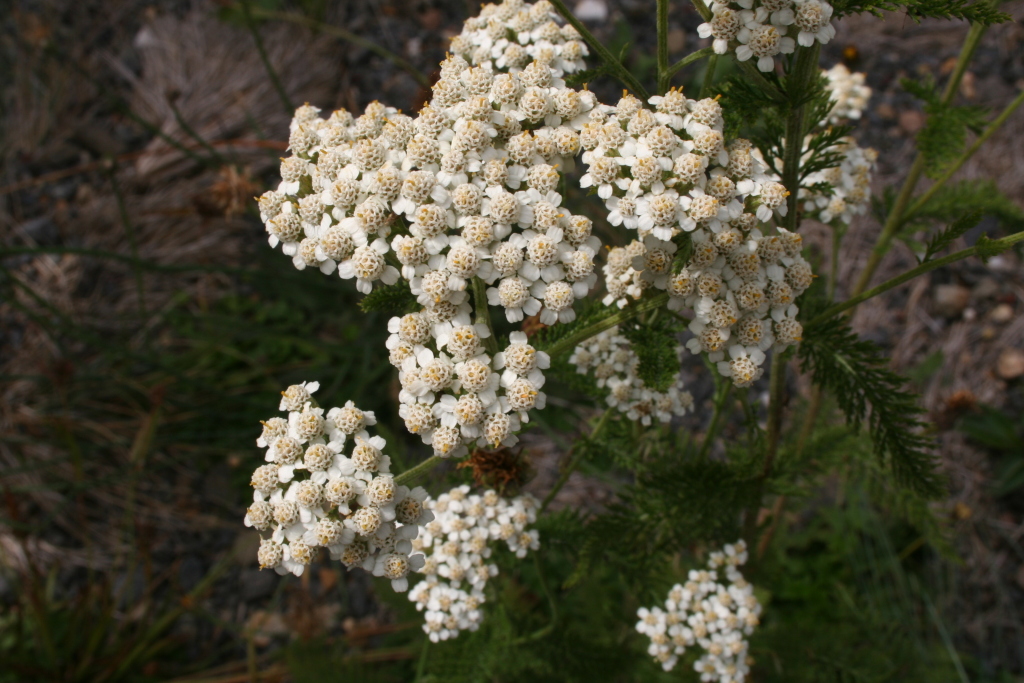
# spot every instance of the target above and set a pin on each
(944, 238)
(393, 299)
(944, 135)
(983, 196)
(854, 372)
(655, 345)
(975, 11)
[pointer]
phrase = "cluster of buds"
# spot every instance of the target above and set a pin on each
(611, 358)
(457, 544)
(327, 483)
(710, 612)
(763, 29)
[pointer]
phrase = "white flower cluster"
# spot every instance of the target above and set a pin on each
(849, 93)
(310, 494)
(611, 358)
(454, 396)
(850, 181)
(739, 283)
(670, 171)
(767, 28)
(708, 612)
(457, 545)
(850, 184)
(469, 185)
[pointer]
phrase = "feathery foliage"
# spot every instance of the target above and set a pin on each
(656, 346)
(393, 299)
(943, 239)
(976, 11)
(867, 391)
(971, 195)
(944, 135)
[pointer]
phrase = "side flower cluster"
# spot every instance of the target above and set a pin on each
(713, 613)
(610, 357)
(845, 190)
(457, 544)
(763, 29)
(327, 483)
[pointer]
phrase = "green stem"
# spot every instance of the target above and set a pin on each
(662, 19)
(421, 665)
(544, 631)
(686, 61)
(703, 10)
(483, 313)
(722, 395)
(271, 72)
(629, 312)
(574, 463)
(804, 68)
(897, 216)
(619, 71)
(807, 429)
(926, 267)
(347, 36)
(418, 471)
(214, 154)
(777, 390)
(982, 139)
(709, 77)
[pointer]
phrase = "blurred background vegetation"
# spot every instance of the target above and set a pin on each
(146, 327)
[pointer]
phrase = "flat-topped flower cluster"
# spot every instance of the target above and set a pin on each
(712, 612)
(611, 358)
(327, 484)
(764, 29)
(457, 544)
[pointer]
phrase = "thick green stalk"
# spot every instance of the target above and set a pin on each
(686, 61)
(897, 216)
(777, 390)
(663, 75)
(416, 472)
(618, 69)
(709, 77)
(569, 343)
(926, 267)
(721, 396)
(968, 153)
(804, 68)
(574, 463)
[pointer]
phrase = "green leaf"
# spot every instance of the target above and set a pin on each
(944, 135)
(656, 347)
(393, 299)
(867, 391)
(956, 229)
(957, 200)
(978, 11)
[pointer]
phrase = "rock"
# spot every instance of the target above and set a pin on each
(911, 121)
(986, 288)
(1003, 313)
(886, 111)
(591, 10)
(1010, 364)
(676, 40)
(951, 300)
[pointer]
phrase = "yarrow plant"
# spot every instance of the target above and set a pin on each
(467, 221)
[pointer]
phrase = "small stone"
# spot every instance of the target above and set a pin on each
(1002, 314)
(591, 10)
(886, 111)
(911, 121)
(987, 287)
(951, 300)
(676, 40)
(1010, 364)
